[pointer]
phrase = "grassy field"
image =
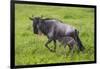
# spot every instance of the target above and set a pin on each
(30, 49)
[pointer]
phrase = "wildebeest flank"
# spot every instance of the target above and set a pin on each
(55, 30)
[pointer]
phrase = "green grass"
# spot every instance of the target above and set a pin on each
(30, 49)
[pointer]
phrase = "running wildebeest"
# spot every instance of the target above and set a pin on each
(57, 30)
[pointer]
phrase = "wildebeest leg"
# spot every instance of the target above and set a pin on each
(65, 49)
(71, 47)
(54, 45)
(48, 43)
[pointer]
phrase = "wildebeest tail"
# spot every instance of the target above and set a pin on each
(79, 43)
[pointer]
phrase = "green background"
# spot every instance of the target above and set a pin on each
(30, 49)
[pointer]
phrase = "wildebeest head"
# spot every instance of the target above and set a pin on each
(36, 23)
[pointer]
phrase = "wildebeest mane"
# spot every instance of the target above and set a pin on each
(53, 19)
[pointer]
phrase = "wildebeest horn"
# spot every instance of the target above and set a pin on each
(41, 16)
(30, 18)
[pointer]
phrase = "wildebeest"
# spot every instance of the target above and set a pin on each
(56, 30)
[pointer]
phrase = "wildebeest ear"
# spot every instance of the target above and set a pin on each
(30, 18)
